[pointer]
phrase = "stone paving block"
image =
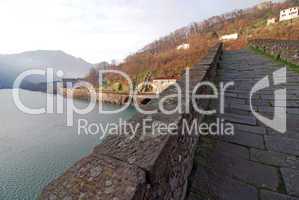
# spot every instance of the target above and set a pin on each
(260, 175)
(293, 110)
(246, 139)
(282, 144)
(232, 100)
(245, 107)
(252, 129)
(289, 134)
(265, 109)
(274, 158)
(210, 186)
(228, 94)
(291, 180)
(249, 120)
(268, 195)
(244, 95)
(234, 150)
(237, 112)
(292, 122)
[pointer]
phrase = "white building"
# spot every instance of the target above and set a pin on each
(233, 36)
(290, 13)
(271, 21)
(184, 46)
(161, 84)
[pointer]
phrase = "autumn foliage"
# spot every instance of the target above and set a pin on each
(168, 63)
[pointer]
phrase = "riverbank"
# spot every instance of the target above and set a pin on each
(116, 98)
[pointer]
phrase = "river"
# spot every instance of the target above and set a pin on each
(35, 149)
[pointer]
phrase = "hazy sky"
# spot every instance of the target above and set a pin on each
(98, 30)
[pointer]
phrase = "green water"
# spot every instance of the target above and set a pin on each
(36, 149)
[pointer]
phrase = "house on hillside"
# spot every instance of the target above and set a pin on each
(288, 14)
(233, 36)
(184, 46)
(161, 83)
(272, 20)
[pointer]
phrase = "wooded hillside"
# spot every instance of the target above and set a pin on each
(162, 58)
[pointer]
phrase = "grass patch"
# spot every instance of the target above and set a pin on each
(276, 59)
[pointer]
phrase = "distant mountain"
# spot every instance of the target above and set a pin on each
(7, 76)
(13, 64)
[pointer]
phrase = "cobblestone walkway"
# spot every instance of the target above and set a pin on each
(256, 163)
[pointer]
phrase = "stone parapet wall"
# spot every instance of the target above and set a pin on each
(287, 50)
(148, 166)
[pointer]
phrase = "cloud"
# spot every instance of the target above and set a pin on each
(98, 29)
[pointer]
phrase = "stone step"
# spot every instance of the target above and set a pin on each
(259, 175)
(248, 120)
(268, 195)
(246, 139)
(207, 185)
(291, 180)
(282, 145)
(274, 158)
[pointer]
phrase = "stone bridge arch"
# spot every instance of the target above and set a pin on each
(147, 84)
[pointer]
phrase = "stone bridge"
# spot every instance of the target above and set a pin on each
(256, 163)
